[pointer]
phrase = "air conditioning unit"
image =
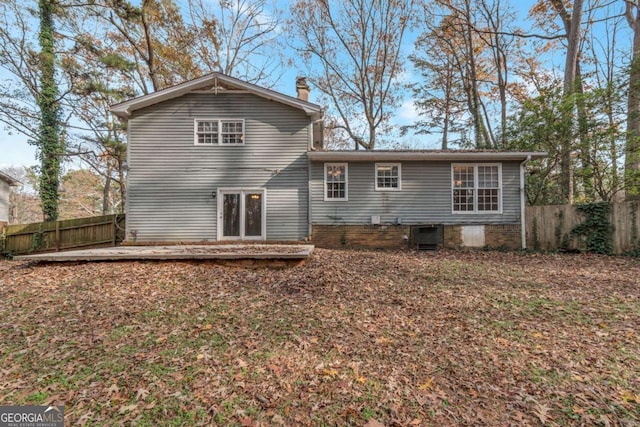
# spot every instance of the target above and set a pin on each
(375, 219)
(427, 237)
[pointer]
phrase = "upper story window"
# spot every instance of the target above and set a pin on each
(476, 188)
(219, 132)
(335, 181)
(388, 176)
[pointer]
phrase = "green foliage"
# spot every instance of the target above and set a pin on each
(3, 252)
(543, 121)
(113, 60)
(37, 240)
(596, 228)
(50, 149)
(538, 126)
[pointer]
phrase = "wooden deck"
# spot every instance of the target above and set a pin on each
(178, 252)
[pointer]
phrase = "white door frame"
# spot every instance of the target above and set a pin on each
(242, 191)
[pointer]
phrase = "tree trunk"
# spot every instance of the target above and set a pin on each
(447, 109)
(106, 192)
(632, 145)
(49, 146)
(572, 27)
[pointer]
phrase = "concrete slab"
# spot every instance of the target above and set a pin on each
(178, 252)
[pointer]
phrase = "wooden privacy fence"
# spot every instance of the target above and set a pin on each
(550, 227)
(105, 230)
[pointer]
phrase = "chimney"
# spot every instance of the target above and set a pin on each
(302, 88)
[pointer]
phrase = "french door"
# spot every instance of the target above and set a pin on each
(241, 214)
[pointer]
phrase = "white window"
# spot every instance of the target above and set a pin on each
(335, 181)
(388, 176)
(219, 132)
(476, 188)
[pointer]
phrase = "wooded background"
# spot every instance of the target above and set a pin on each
(552, 75)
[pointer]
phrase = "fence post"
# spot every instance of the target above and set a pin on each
(114, 230)
(57, 236)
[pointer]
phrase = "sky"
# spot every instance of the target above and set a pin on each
(15, 150)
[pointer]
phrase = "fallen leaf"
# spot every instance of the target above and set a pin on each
(630, 397)
(247, 422)
(427, 385)
(113, 389)
(128, 408)
(142, 394)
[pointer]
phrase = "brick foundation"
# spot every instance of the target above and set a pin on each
(395, 236)
(503, 236)
(495, 236)
(361, 236)
(452, 236)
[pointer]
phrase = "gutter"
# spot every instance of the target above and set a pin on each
(523, 222)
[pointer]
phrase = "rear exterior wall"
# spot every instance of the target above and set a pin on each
(4, 202)
(425, 198)
(171, 180)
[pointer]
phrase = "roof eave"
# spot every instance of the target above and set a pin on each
(125, 109)
(10, 180)
(414, 156)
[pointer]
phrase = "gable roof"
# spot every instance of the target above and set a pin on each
(9, 180)
(213, 83)
(433, 155)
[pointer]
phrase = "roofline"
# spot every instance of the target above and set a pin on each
(126, 108)
(9, 180)
(362, 156)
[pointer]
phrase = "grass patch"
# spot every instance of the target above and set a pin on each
(348, 337)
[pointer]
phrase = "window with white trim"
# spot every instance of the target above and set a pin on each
(476, 188)
(388, 176)
(335, 181)
(219, 132)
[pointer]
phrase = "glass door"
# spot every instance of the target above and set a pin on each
(253, 215)
(241, 214)
(231, 215)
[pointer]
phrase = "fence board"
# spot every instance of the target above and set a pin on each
(549, 227)
(105, 230)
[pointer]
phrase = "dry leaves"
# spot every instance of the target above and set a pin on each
(348, 338)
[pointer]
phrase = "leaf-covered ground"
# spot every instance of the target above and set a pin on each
(348, 338)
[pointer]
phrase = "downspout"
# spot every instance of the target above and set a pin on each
(523, 222)
(309, 199)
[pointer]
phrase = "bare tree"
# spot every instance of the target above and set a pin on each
(572, 21)
(18, 57)
(500, 45)
(153, 37)
(440, 95)
(605, 152)
(238, 38)
(465, 49)
(353, 48)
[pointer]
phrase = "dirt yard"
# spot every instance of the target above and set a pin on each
(348, 338)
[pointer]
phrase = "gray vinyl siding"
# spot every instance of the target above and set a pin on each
(171, 180)
(425, 197)
(4, 201)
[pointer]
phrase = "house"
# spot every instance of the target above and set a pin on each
(6, 182)
(217, 158)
